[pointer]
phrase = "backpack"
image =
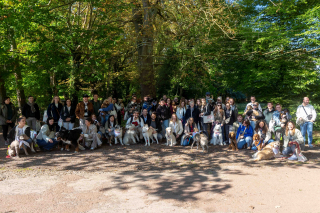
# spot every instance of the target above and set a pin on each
(186, 141)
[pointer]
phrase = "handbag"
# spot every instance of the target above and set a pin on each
(239, 138)
(308, 116)
(208, 118)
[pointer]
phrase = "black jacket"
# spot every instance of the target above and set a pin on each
(206, 110)
(66, 114)
(195, 114)
(12, 133)
(54, 112)
(148, 119)
(26, 111)
(158, 125)
(232, 117)
(163, 113)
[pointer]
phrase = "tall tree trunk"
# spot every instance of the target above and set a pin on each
(17, 70)
(143, 21)
(53, 83)
(3, 92)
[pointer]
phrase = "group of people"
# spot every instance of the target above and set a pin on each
(98, 119)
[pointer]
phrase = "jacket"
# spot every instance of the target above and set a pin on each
(247, 133)
(12, 133)
(96, 107)
(163, 113)
(177, 127)
(26, 111)
(268, 115)
(181, 112)
(66, 114)
(138, 121)
(54, 112)
(80, 110)
(158, 125)
(206, 110)
(4, 114)
(219, 115)
(195, 114)
(45, 133)
(231, 116)
(235, 111)
(296, 137)
(91, 132)
(148, 121)
(310, 111)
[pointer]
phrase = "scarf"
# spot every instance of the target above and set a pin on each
(33, 110)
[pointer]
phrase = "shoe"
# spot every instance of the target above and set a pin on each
(293, 157)
(92, 148)
(6, 143)
(310, 146)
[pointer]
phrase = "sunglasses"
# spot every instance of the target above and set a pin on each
(219, 105)
(254, 104)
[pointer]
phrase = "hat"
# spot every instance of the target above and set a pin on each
(207, 93)
(85, 96)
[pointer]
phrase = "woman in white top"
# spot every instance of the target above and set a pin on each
(176, 125)
(45, 138)
(292, 135)
(20, 130)
(181, 111)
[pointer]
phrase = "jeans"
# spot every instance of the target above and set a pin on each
(253, 124)
(244, 141)
(227, 130)
(5, 129)
(288, 150)
(165, 124)
(255, 148)
(204, 127)
(68, 125)
(32, 123)
(46, 146)
(104, 119)
(307, 127)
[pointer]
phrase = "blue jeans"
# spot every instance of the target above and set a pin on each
(165, 124)
(204, 127)
(104, 119)
(253, 124)
(47, 146)
(307, 127)
(244, 141)
(288, 150)
(255, 148)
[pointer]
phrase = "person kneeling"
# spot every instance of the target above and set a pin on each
(263, 131)
(91, 135)
(45, 138)
(244, 135)
(292, 140)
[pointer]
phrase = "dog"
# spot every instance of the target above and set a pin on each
(201, 139)
(70, 137)
(14, 148)
(270, 151)
(130, 136)
(170, 137)
(117, 135)
(233, 142)
(217, 135)
(147, 134)
(257, 141)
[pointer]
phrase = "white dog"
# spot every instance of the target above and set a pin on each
(147, 133)
(118, 135)
(129, 135)
(217, 135)
(170, 137)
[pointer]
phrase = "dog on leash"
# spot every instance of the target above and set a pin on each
(233, 142)
(201, 139)
(270, 151)
(14, 148)
(170, 137)
(257, 141)
(129, 136)
(217, 135)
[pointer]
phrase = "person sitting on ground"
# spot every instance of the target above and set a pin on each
(68, 115)
(244, 135)
(176, 126)
(253, 100)
(32, 113)
(110, 126)
(292, 135)
(187, 139)
(21, 129)
(263, 131)
(91, 135)
(155, 124)
(8, 114)
(46, 137)
(100, 128)
(137, 121)
(237, 123)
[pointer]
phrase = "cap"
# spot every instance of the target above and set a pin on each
(207, 93)
(85, 96)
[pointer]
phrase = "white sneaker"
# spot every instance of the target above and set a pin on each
(293, 157)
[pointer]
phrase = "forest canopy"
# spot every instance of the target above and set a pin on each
(266, 48)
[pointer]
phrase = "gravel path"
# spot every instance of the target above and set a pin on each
(157, 179)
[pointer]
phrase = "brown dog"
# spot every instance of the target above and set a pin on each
(233, 144)
(268, 152)
(256, 141)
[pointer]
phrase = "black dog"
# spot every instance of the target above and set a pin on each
(70, 137)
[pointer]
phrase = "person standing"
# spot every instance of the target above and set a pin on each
(8, 114)
(54, 110)
(205, 110)
(192, 111)
(163, 114)
(32, 113)
(84, 109)
(253, 100)
(306, 115)
(68, 115)
(228, 122)
(96, 104)
(268, 113)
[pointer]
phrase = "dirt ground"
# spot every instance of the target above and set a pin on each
(157, 179)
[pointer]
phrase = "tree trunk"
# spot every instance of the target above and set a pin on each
(143, 21)
(53, 83)
(3, 92)
(17, 70)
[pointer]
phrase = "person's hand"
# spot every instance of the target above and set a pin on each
(177, 135)
(221, 124)
(50, 141)
(154, 132)
(161, 121)
(241, 136)
(109, 130)
(300, 119)
(201, 114)
(312, 121)
(68, 119)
